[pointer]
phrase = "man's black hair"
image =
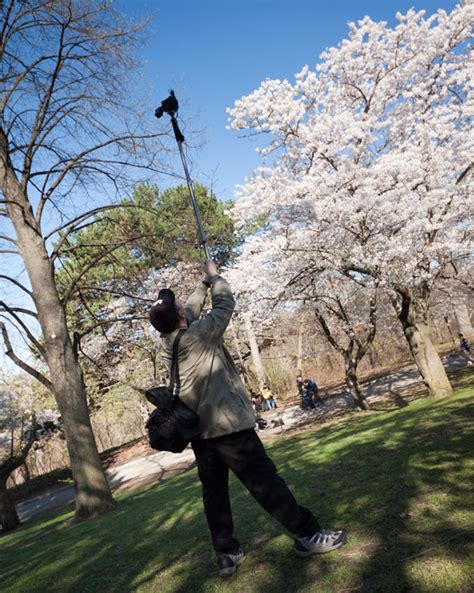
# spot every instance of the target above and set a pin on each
(164, 314)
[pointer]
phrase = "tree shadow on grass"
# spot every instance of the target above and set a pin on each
(388, 484)
(384, 478)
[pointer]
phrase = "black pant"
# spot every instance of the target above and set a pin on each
(243, 453)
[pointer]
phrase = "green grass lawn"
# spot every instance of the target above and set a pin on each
(400, 482)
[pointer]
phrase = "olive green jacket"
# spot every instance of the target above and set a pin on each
(209, 381)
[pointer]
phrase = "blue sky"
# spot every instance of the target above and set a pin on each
(212, 52)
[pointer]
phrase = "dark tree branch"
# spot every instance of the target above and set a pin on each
(74, 161)
(13, 312)
(94, 262)
(14, 461)
(21, 310)
(72, 225)
(16, 283)
(20, 363)
(464, 173)
(327, 332)
(119, 293)
(9, 239)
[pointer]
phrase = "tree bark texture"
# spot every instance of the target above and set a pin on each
(414, 319)
(255, 352)
(93, 494)
(463, 320)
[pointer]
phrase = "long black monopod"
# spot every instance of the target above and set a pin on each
(170, 106)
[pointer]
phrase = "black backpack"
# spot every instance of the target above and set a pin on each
(173, 424)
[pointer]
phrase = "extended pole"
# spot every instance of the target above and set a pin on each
(170, 106)
(180, 140)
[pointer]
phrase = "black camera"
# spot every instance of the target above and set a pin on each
(169, 105)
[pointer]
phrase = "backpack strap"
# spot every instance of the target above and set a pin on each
(174, 374)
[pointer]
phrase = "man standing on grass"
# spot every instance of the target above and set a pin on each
(210, 384)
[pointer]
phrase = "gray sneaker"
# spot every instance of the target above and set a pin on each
(228, 563)
(321, 542)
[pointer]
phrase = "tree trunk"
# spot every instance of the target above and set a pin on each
(237, 349)
(27, 474)
(93, 494)
(255, 352)
(373, 355)
(299, 357)
(463, 319)
(352, 383)
(8, 516)
(414, 319)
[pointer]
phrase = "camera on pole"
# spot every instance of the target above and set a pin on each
(170, 106)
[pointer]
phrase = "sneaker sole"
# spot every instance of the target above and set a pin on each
(228, 572)
(307, 553)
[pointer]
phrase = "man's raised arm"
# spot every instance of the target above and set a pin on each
(213, 325)
(195, 302)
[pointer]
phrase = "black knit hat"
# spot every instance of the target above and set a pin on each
(163, 314)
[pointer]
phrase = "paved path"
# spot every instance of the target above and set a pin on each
(157, 464)
(161, 463)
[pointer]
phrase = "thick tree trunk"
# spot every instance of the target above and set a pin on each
(93, 494)
(463, 319)
(414, 319)
(255, 352)
(352, 383)
(8, 516)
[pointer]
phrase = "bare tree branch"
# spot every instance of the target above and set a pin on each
(94, 262)
(72, 225)
(9, 239)
(119, 293)
(21, 363)
(16, 283)
(21, 310)
(74, 161)
(31, 337)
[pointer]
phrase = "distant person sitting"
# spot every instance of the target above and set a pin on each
(268, 397)
(465, 348)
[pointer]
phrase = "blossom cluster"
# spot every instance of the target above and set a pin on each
(364, 168)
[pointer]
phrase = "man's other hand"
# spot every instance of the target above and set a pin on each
(210, 268)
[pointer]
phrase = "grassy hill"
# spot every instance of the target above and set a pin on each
(399, 481)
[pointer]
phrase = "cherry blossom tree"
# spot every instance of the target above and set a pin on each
(124, 349)
(366, 169)
(348, 317)
(345, 311)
